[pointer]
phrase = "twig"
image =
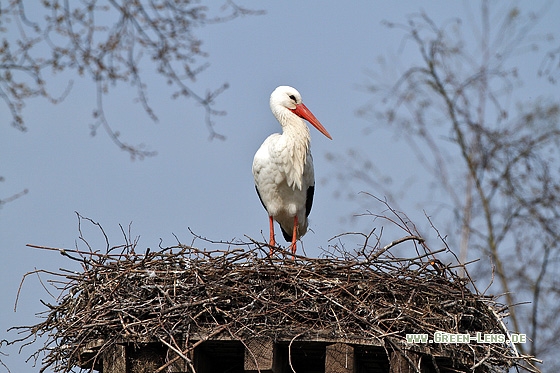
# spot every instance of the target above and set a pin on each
(290, 351)
(396, 242)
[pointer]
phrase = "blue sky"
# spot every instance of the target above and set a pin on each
(325, 51)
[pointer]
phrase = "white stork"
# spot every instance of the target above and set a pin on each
(283, 166)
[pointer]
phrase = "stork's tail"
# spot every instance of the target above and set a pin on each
(302, 229)
(287, 236)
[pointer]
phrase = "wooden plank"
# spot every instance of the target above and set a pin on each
(405, 361)
(339, 358)
(145, 358)
(260, 356)
(114, 359)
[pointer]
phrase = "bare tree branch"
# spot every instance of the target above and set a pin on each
(497, 165)
(112, 44)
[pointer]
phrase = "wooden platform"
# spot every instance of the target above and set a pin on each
(266, 356)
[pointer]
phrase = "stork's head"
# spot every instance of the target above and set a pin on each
(285, 101)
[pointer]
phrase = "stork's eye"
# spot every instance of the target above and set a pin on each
(293, 97)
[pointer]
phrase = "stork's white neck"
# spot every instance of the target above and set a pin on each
(297, 140)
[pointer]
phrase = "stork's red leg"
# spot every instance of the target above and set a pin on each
(294, 236)
(272, 241)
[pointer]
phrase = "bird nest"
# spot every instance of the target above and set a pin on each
(180, 292)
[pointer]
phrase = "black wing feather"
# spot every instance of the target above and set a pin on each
(260, 198)
(309, 200)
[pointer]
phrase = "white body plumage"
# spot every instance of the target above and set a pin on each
(283, 166)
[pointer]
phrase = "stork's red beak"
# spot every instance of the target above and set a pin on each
(302, 111)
